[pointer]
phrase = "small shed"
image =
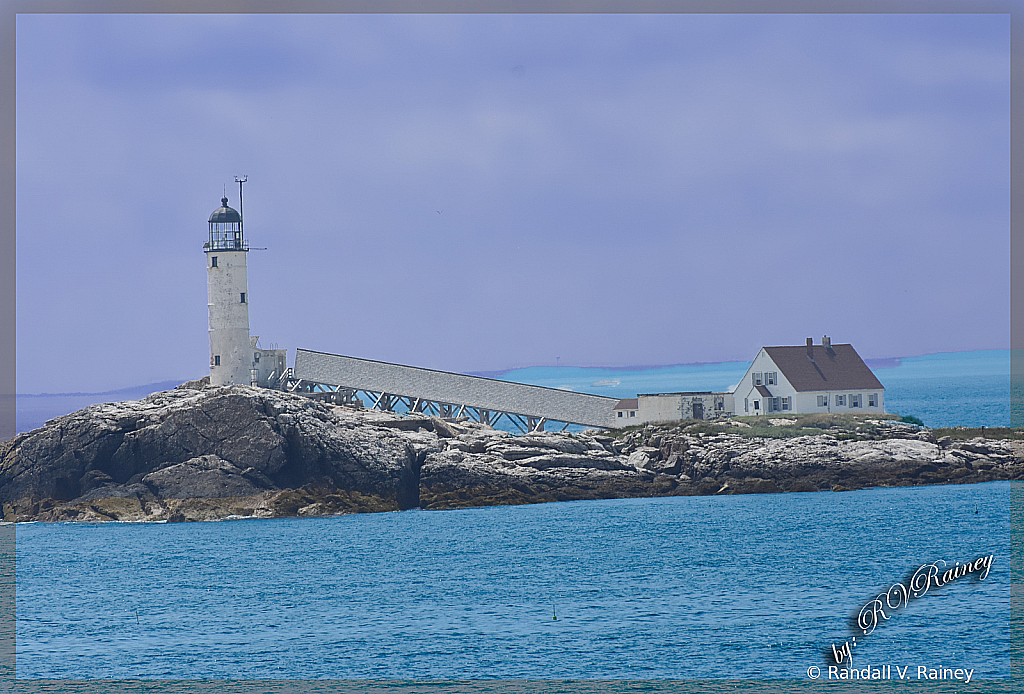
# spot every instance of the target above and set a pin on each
(625, 412)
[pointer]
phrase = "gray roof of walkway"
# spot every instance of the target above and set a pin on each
(455, 389)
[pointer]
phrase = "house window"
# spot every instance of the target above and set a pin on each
(854, 400)
(770, 378)
(633, 413)
(620, 414)
(746, 405)
(840, 400)
(822, 401)
(787, 403)
(243, 297)
(216, 360)
(757, 378)
(757, 405)
(213, 261)
(873, 400)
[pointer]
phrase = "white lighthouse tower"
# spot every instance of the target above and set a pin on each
(231, 351)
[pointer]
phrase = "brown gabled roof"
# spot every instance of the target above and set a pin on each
(840, 368)
(627, 404)
(765, 393)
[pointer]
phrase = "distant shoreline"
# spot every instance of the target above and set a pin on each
(130, 390)
(498, 374)
(874, 363)
(885, 362)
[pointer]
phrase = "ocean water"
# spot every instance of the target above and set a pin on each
(955, 389)
(756, 586)
(943, 390)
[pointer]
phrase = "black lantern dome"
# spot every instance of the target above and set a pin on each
(225, 214)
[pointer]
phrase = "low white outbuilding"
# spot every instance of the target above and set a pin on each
(647, 408)
(268, 365)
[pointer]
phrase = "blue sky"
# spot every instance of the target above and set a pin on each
(479, 192)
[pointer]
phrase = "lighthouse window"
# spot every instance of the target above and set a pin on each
(216, 360)
(213, 261)
(243, 297)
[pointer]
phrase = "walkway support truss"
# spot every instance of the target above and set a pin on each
(386, 386)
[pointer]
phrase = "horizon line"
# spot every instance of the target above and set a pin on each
(729, 361)
(496, 372)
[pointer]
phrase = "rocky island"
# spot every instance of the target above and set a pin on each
(202, 452)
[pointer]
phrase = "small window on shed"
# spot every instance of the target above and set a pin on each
(620, 414)
(632, 413)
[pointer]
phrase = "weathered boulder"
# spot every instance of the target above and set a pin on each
(199, 441)
(206, 477)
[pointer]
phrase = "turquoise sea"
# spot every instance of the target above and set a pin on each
(734, 587)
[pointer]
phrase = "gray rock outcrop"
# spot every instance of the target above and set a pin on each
(200, 452)
(201, 442)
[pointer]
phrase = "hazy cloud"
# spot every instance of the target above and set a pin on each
(481, 191)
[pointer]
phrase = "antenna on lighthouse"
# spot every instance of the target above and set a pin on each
(241, 219)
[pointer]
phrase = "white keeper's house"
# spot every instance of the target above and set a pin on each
(808, 378)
